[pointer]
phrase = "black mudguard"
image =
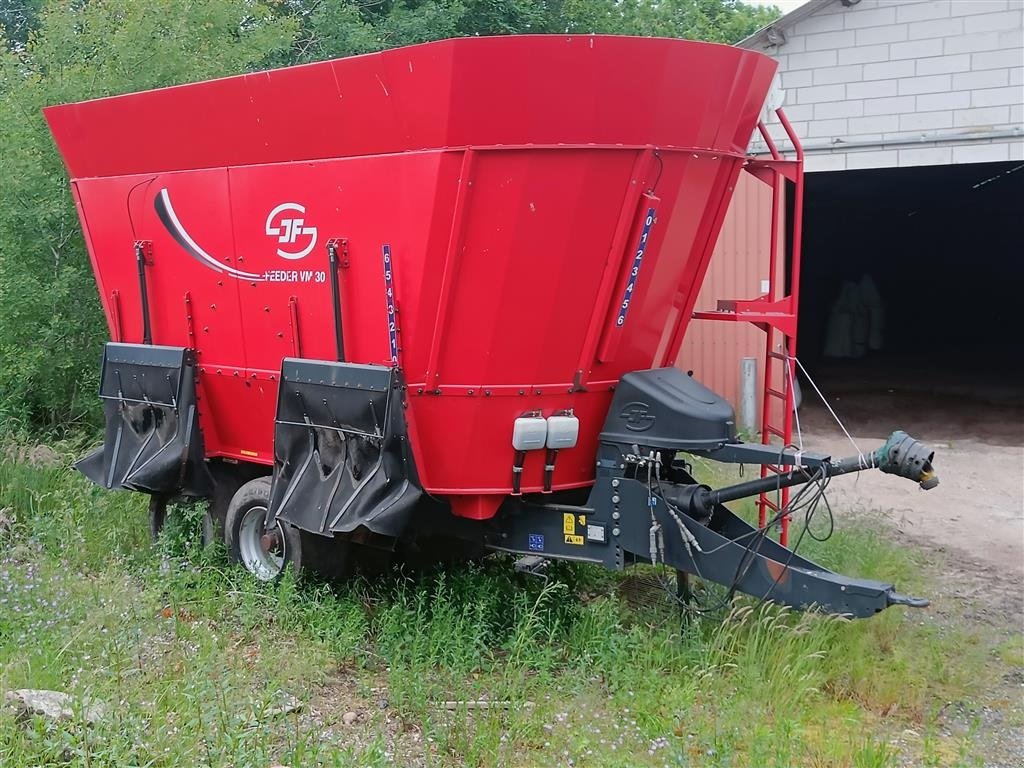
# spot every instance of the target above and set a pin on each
(341, 450)
(152, 441)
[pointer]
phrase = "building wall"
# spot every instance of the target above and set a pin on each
(713, 349)
(910, 83)
(890, 83)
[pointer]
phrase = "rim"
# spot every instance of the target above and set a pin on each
(264, 563)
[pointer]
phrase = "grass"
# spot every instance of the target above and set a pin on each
(193, 657)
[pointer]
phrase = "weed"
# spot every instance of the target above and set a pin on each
(192, 655)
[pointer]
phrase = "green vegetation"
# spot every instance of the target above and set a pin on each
(193, 656)
(61, 51)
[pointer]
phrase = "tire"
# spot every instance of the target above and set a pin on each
(245, 539)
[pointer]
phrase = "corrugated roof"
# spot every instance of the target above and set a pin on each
(762, 38)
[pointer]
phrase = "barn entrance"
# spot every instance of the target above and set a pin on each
(911, 300)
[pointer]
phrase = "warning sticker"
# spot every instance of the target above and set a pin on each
(569, 522)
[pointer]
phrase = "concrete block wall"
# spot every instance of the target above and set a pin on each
(888, 83)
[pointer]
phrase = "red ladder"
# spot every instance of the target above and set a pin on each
(775, 313)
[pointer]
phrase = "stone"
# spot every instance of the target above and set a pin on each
(284, 704)
(55, 705)
(348, 718)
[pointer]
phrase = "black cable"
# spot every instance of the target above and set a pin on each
(661, 168)
(819, 481)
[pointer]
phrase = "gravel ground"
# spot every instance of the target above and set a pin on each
(973, 522)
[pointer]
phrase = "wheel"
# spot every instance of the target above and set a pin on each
(159, 505)
(265, 554)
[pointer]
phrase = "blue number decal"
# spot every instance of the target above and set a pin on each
(389, 287)
(635, 271)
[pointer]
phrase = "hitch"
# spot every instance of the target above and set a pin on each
(901, 455)
(643, 511)
(904, 456)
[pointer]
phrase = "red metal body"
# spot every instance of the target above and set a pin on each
(775, 313)
(518, 222)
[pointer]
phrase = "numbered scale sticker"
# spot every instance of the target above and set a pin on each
(389, 288)
(638, 258)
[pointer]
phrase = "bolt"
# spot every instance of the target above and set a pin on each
(616, 515)
(615, 482)
(616, 499)
(615, 531)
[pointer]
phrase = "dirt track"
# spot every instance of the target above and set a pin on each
(975, 515)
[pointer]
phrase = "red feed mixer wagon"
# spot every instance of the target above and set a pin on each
(427, 301)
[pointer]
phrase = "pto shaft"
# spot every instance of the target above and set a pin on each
(901, 455)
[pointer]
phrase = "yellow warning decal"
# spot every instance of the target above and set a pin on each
(568, 523)
(577, 540)
(247, 453)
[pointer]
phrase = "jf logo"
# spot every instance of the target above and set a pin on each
(287, 223)
(637, 416)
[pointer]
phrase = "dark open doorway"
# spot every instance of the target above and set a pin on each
(931, 331)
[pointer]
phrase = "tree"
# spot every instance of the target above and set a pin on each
(717, 21)
(68, 50)
(49, 311)
(343, 27)
(18, 19)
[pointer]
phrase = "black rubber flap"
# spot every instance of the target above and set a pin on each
(341, 451)
(152, 441)
(665, 408)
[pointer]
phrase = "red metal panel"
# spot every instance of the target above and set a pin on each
(502, 175)
(525, 89)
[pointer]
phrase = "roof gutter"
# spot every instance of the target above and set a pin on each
(774, 36)
(832, 145)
